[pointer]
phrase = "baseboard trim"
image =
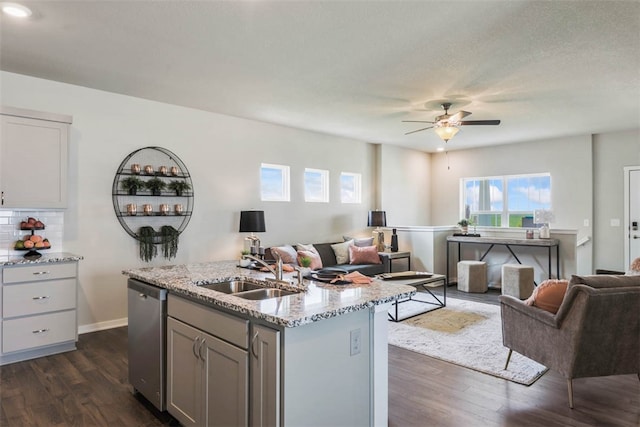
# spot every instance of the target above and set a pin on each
(100, 326)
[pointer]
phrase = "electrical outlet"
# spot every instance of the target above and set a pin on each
(356, 342)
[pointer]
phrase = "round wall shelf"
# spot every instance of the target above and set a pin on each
(142, 208)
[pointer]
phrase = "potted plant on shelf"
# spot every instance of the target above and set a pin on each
(169, 241)
(132, 184)
(156, 185)
(148, 249)
(464, 225)
(179, 187)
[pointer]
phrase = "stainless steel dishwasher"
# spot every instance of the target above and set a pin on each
(147, 341)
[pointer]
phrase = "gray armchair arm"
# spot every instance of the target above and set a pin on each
(534, 313)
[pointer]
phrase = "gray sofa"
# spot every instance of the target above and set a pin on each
(329, 260)
(596, 331)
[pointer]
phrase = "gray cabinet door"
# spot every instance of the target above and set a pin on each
(184, 373)
(265, 377)
(226, 383)
(34, 142)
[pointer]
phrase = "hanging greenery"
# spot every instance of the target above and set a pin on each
(148, 250)
(169, 240)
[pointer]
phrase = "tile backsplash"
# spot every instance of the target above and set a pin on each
(10, 229)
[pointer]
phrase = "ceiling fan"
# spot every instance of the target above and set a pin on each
(446, 125)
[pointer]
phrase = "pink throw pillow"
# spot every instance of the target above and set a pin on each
(287, 253)
(548, 295)
(364, 255)
(316, 261)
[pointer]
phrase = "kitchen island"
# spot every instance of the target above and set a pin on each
(315, 357)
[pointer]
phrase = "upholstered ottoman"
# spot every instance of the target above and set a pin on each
(472, 276)
(517, 280)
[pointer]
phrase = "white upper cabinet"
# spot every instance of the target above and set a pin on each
(33, 159)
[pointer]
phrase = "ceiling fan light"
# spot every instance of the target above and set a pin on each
(446, 132)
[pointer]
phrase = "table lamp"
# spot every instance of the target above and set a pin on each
(378, 219)
(252, 222)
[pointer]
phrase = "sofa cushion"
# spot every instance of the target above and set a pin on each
(548, 295)
(364, 255)
(342, 251)
(326, 254)
(360, 242)
(287, 253)
(306, 247)
(316, 261)
(366, 269)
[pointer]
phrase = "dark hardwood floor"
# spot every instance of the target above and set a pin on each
(89, 387)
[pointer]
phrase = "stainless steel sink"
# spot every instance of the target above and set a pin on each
(264, 293)
(232, 286)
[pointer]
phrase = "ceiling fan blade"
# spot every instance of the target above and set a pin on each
(417, 121)
(458, 116)
(479, 122)
(414, 131)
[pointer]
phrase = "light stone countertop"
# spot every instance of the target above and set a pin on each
(46, 257)
(319, 301)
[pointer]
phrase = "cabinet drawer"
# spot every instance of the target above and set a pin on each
(37, 331)
(43, 271)
(38, 297)
(230, 328)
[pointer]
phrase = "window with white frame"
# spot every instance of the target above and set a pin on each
(505, 201)
(274, 183)
(350, 187)
(316, 185)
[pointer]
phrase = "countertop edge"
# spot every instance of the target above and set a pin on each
(54, 257)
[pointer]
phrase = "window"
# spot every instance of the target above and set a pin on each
(505, 201)
(350, 187)
(274, 183)
(316, 185)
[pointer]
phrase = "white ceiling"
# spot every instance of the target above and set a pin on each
(352, 68)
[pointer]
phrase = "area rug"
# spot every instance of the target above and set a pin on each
(465, 333)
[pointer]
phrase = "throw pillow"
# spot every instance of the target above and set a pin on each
(287, 253)
(316, 261)
(342, 251)
(634, 268)
(548, 295)
(364, 255)
(361, 242)
(309, 247)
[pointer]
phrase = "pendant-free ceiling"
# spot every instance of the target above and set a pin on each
(446, 126)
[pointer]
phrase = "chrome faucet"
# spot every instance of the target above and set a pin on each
(277, 271)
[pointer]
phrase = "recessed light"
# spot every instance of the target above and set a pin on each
(16, 10)
(440, 149)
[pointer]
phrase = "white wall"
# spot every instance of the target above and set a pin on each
(404, 186)
(223, 155)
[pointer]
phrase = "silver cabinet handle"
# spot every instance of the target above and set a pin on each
(636, 237)
(193, 348)
(253, 342)
(39, 273)
(40, 331)
(3, 198)
(41, 297)
(200, 349)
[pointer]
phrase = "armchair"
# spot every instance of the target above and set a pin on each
(596, 331)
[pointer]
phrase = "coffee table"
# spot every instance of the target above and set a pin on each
(426, 283)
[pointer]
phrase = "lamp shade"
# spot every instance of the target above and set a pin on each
(377, 219)
(252, 222)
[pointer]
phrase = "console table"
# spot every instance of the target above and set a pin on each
(510, 244)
